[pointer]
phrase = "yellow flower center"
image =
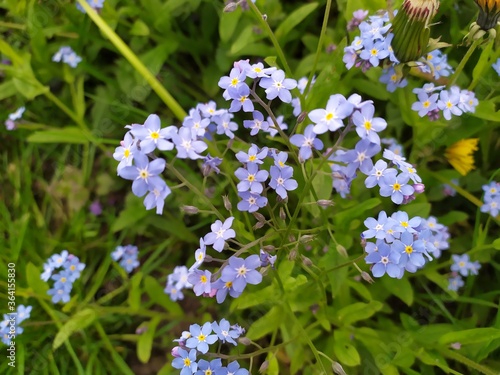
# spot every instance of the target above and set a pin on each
(155, 135)
(126, 153)
(329, 116)
(396, 186)
(408, 249)
(203, 279)
(252, 157)
(368, 125)
(187, 362)
(234, 81)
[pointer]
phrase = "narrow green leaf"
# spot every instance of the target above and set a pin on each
(7, 89)
(266, 324)
(34, 282)
(69, 134)
(80, 320)
(294, 19)
(401, 289)
(157, 295)
(227, 25)
(358, 311)
(482, 62)
(134, 297)
(145, 343)
(471, 336)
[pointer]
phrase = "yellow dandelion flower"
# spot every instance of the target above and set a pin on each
(459, 155)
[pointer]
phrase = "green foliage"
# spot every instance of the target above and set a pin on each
(313, 310)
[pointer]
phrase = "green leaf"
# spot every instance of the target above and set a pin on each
(145, 342)
(482, 62)
(401, 289)
(7, 89)
(139, 28)
(227, 25)
(39, 286)
(273, 368)
(453, 217)
(471, 336)
(157, 295)
(294, 19)
(80, 320)
(133, 213)
(418, 209)
(358, 311)
(486, 111)
(134, 297)
(266, 324)
(69, 134)
(496, 244)
(346, 353)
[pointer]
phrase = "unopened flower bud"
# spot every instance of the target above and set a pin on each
(175, 352)
(263, 367)
(258, 225)
(259, 216)
(363, 242)
(282, 214)
(489, 13)
(227, 203)
(325, 203)
(306, 261)
(291, 238)
(455, 345)
(341, 250)
(411, 29)
(408, 198)
(230, 7)
(244, 341)
(367, 277)
(268, 248)
(338, 369)
(307, 238)
(208, 258)
(190, 210)
(302, 116)
(419, 188)
(293, 255)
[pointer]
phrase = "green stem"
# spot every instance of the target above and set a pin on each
(194, 189)
(265, 26)
(132, 58)
(466, 58)
(464, 193)
(54, 99)
(319, 49)
(469, 363)
(67, 344)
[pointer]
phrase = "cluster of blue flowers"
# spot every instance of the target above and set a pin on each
(372, 45)
(402, 244)
(252, 179)
(67, 56)
(234, 274)
(271, 79)
(436, 63)
(196, 341)
(94, 4)
(10, 326)
(433, 99)
(491, 198)
(11, 122)
(496, 66)
(462, 266)
(64, 279)
(346, 163)
(127, 256)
